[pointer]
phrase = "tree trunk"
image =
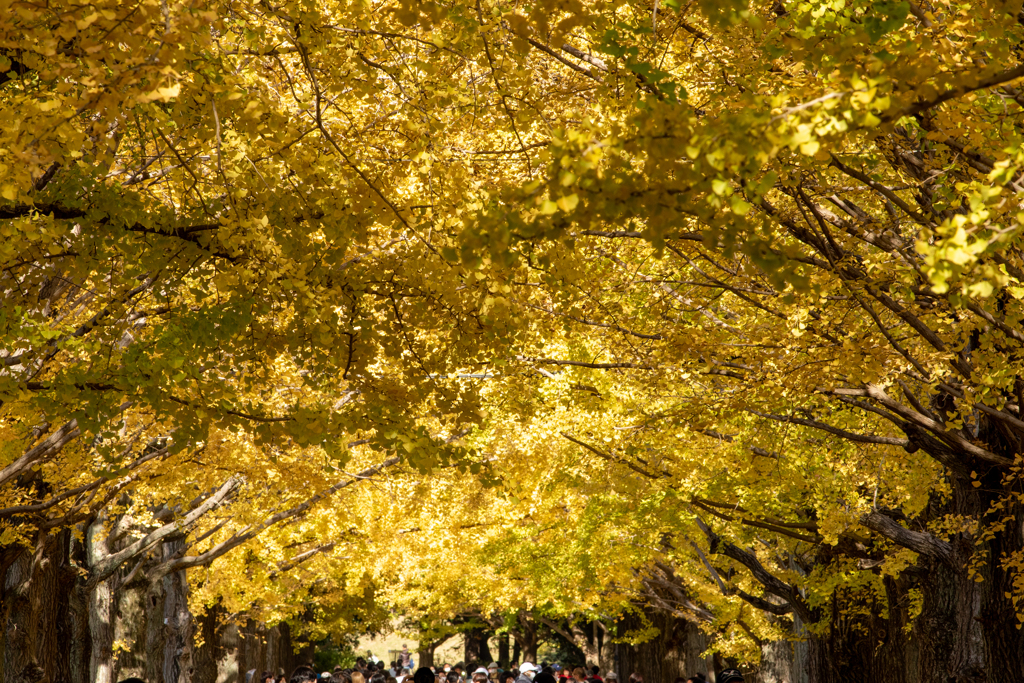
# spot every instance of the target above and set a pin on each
(79, 646)
(21, 662)
(646, 658)
(605, 648)
(154, 645)
(526, 637)
(425, 653)
(101, 612)
(229, 668)
(776, 664)
(36, 610)
(178, 634)
(503, 651)
(130, 630)
(286, 658)
(585, 640)
(475, 649)
(207, 655)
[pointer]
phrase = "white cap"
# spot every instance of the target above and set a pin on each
(493, 665)
(527, 668)
(481, 670)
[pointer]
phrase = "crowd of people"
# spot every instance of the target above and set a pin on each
(401, 672)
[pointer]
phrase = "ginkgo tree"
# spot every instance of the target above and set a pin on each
(821, 238)
(757, 262)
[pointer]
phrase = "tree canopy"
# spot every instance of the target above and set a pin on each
(706, 308)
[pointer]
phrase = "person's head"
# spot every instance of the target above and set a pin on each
(697, 678)
(479, 678)
(636, 678)
(528, 670)
(423, 675)
(267, 677)
(595, 670)
(506, 676)
(579, 673)
(544, 677)
(378, 677)
(340, 676)
(303, 674)
(730, 676)
(453, 677)
(358, 677)
(404, 646)
(547, 670)
(611, 677)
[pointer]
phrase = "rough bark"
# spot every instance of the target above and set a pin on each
(646, 659)
(179, 626)
(101, 613)
(207, 654)
(776, 662)
(229, 669)
(36, 616)
(154, 645)
(130, 630)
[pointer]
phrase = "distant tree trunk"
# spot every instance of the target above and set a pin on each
(583, 638)
(605, 650)
(526, 636)
(425, 654)
(475, 647)
(206, 657)
(517, 652)
(503, 653)
(286, 658)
